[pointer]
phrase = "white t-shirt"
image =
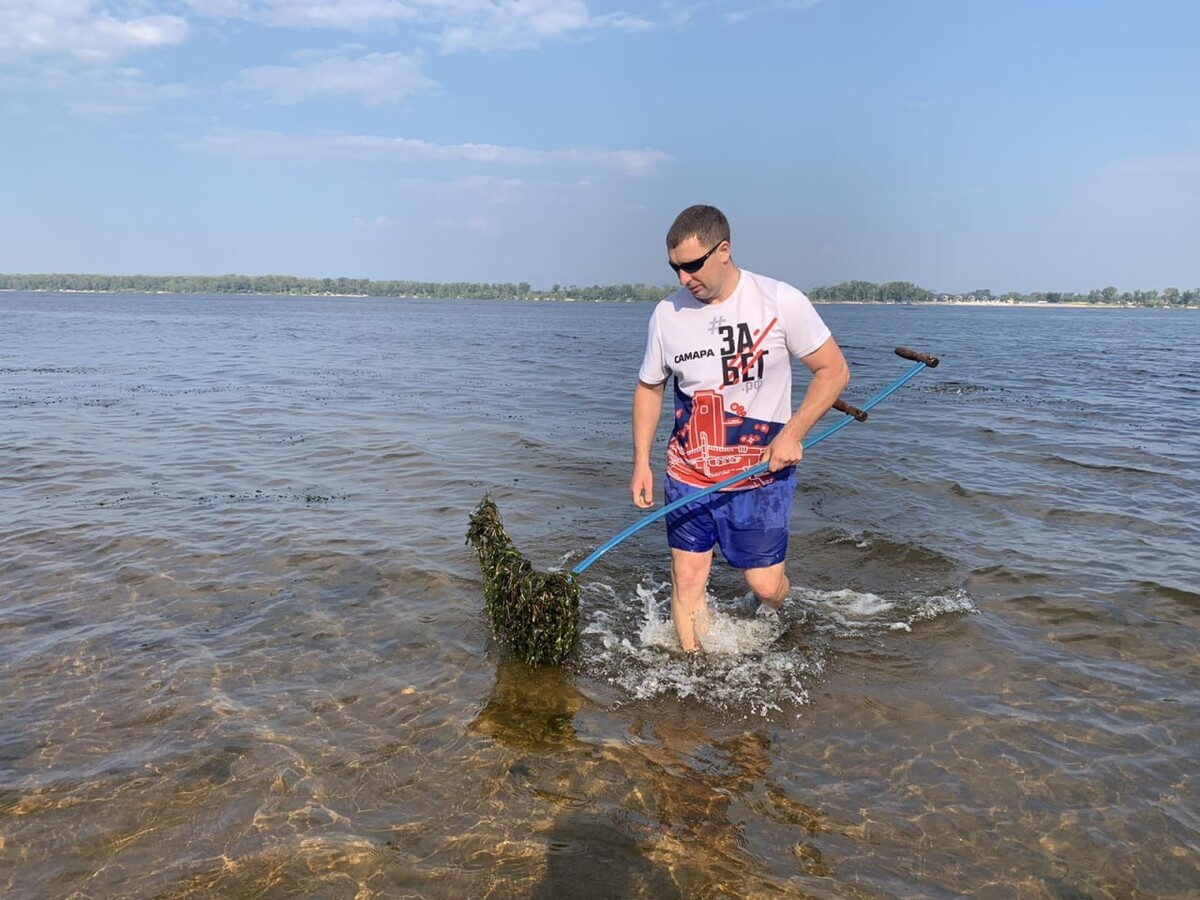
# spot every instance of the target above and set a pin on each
(732, 364)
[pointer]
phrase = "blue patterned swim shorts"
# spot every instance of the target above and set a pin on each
(750, 526)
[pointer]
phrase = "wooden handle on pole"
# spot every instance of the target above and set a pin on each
(916, 356)
(844, 407)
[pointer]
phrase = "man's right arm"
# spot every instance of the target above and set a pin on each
(647, 410)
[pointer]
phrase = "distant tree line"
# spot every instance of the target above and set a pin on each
(907, 292)
(869, 292)
(626, 292)
(289, 285)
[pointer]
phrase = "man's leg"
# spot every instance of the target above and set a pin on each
(689, 603)
(770, 584)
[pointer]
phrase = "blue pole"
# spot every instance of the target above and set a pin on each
(742, 476)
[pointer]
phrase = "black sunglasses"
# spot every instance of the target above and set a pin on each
(696, 264)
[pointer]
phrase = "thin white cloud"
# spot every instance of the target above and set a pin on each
(112, 93)
(452, 25)
(516, 26)
(626, 22)
(375, 79)
(376, 222)
(93, 92)
(81, 29)
(344, 15)
(639, 162)
(263, 144)
(742, 13)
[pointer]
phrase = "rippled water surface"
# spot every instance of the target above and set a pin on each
(242, 652)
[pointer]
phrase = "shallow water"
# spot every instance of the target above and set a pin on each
(242, 650)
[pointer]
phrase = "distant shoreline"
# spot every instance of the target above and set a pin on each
(1021, 304)
(1017, 304)
(854, 291)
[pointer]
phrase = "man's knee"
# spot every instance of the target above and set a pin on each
(769, 585)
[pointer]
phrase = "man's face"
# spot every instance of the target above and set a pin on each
(708, 283)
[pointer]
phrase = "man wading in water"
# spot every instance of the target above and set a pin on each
(728, 337)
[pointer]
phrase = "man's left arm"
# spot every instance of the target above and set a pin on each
(830, 375)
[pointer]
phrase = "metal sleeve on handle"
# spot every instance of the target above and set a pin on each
(843, 407)
(917, 356)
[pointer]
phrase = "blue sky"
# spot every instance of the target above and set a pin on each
(1015, 146)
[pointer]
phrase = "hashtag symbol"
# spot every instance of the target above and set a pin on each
(715, 323)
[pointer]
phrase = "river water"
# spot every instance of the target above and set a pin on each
(242, 648)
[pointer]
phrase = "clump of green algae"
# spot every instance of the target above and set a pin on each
(535, 613)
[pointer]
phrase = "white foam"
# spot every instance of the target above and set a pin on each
(847, 611)
(750, 663)
(844, 610)
(743, 667)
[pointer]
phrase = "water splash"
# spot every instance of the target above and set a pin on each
(756, 662)
(749, 665)
(844, 613)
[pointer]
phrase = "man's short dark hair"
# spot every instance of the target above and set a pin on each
(705, 223)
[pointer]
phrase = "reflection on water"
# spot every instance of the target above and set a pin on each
(648, 805)
(242, 651)
(531, 709)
